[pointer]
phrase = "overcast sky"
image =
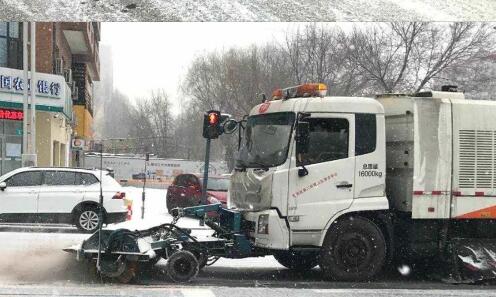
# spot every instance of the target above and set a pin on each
(149, 56)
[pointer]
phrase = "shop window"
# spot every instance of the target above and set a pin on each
(3, 52)
(10, 45)
(12, 127)
(3, 29)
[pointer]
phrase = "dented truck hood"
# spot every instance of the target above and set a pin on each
(251, 190)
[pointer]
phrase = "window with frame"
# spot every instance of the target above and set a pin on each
(60, 178)
(328, 141)
(24, 179)
(85, 179)
(186, 180)
(365, 133)
(10, 45)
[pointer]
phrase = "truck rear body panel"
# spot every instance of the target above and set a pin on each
(441, 157)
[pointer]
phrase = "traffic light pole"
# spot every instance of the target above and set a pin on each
(205, 173)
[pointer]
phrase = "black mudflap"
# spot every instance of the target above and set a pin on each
(472, 260)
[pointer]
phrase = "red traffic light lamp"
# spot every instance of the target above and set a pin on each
(211, 124)
(213, 118)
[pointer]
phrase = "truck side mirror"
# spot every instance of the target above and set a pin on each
(3, 186)
(302, 137)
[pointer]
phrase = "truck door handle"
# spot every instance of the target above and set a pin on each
(343, 185)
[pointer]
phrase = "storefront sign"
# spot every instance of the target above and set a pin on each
(52, 92)
(10, 114)
(16, 84)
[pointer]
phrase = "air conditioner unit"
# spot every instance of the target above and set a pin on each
(59, 66)
(68, 76)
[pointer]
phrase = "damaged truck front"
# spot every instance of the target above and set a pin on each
(346, 183)
(352, 183)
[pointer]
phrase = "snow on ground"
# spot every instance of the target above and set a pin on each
(250, 10)
(34, 257)
(155, 211)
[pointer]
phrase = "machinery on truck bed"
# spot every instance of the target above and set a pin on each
(351, 183)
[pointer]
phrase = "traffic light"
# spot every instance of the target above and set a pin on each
(211, 124)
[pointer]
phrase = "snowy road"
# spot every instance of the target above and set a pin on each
(228, 292)
(249, 10)
(32, 263)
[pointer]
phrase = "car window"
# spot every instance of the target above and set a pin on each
(186, 180)
(60, 178)
(86, 179)
(217, 184)
(24, 179)
(328, 141)
(365, 133)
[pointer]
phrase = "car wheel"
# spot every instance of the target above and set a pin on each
(87, 219)
(354, 249)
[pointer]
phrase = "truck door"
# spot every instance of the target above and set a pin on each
(328, 186)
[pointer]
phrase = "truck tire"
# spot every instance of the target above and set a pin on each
(354, 249)
(181, 266)
(296, 261)
(86, 218)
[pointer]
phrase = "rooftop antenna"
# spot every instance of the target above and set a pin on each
(264, 97)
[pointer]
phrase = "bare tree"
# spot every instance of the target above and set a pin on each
(152, 126)
(443, 47)
(383, 52)
(396, 57)
(407, 56)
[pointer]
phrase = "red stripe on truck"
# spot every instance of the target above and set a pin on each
(418, 192)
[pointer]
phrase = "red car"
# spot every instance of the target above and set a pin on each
(186, 190)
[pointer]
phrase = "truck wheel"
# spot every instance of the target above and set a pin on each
(87, 218)
(182, 266)
(297, 261)
(354, 249)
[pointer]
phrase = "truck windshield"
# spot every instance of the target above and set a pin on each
(266, 140)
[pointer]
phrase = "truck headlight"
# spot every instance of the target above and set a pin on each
(263, 224)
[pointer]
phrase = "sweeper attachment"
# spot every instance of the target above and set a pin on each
(472, 260)
(123, 252)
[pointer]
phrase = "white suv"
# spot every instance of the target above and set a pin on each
(60, 195)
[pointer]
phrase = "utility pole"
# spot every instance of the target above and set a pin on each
(147, 158)
(25, 91)
(205, 173)
(33, 92)
(29, 157)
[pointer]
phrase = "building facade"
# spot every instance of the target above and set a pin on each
(72, 49)
(67, 64)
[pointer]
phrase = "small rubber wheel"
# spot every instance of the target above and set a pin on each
(297, 261)
(126, 272)
(354, 249)
(87, 218)
(182, 266)
(129, 273)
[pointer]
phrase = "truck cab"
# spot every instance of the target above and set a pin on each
(306, 160)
